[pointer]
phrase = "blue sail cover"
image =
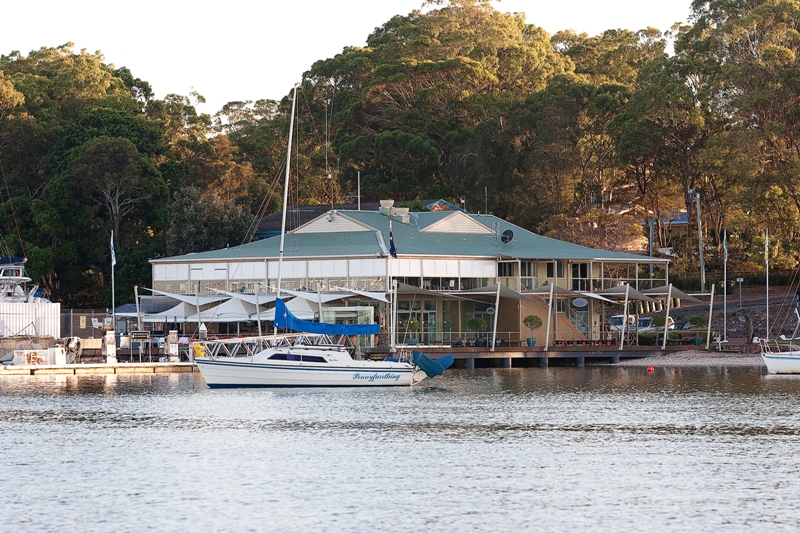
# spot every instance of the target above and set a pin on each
(285, 319)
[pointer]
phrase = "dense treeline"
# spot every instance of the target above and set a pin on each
(581, 137)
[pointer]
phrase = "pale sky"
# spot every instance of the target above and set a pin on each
(246, 50)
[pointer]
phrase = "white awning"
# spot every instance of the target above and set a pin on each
(191, 298)
(233, 310)
(302, 309)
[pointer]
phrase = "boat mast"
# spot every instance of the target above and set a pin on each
(285, 202)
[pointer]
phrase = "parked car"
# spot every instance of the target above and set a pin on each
(644, 324)
(615, 323)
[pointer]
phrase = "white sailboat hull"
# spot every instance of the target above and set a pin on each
(782, 362)
(243, 372)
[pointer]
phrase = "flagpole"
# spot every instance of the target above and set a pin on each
(725, 288)
(113, 295)
(766, 261)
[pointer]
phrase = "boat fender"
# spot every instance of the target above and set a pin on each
(199, 350)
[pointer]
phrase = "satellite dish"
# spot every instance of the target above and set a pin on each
(507, 236)
(490, 310)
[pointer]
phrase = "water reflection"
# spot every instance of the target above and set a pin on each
(543, 449)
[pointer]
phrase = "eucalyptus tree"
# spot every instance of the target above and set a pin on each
(748, 51)
(410, 100)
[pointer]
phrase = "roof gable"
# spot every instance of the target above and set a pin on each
(333, 222)
(457, 222)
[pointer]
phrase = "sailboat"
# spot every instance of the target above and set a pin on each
(781, 356)
(296, 362)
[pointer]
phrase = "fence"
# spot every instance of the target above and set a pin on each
(691, 281)
(83, 323)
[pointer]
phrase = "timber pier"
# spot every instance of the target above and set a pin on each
(466, 357)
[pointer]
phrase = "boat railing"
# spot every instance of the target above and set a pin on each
(779, 345)
(249, 346)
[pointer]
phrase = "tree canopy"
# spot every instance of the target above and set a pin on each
(580, 137)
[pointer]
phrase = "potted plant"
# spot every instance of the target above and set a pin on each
(477, 324)
(413, 326)
(532, 322)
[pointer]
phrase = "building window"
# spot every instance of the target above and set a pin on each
(505, 270)
(580, 276)
(559, 269)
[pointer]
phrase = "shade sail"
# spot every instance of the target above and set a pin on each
(490, 291)
(175, 314)
(661, 293)
(204, 299)
(625, 292)
(561, 291)
(233, 310)
(262, 298)
(402, 288)
(300, 308)
(380, 296)
(317, 297)
(545, 291)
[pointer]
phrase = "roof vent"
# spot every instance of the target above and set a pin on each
(386, 207)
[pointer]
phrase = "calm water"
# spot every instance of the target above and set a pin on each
(601, 449)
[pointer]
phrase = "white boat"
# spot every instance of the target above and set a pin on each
(305, 366)
(787, 362)
(782, 356)
(302, 361)
(299, 364)
(13, 283)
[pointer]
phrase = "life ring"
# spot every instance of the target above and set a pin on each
(40, 361)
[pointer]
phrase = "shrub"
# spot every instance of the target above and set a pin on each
(532, 322)
(698, 320)
(476, 323)
(658, 321)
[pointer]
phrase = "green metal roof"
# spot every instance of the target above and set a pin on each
(410, 241)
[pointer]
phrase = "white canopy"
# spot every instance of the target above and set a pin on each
(302, 309)
(263, 298)
(175, 314)
(380, 296)
(317, 297)
(233, 310)
(204, 299)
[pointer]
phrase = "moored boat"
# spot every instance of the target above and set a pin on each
(301, 361)
(299, 364)
(787, 362)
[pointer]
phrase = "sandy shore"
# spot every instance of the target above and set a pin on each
(696, 358)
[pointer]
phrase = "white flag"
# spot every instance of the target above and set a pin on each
(113, 255)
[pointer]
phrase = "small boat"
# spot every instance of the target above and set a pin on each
(782, 356)
(13, 283)
(786, 362)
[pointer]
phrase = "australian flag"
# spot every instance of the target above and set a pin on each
(113, 255)
(392, 249)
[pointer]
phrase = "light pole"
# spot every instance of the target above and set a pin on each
(739, 281)
(700, 242)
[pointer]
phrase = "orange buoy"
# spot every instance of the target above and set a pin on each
(650, 369)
